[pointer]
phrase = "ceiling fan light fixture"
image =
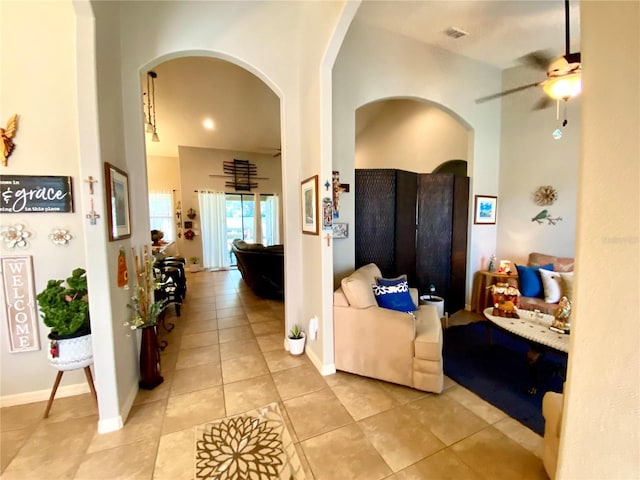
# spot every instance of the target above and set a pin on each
(565, 87)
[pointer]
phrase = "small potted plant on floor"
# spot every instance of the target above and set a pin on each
(296, 339)
(64, 308)
(194, 264)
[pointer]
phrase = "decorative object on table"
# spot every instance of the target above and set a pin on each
(485, 210)
(296, 340)
(545, 195)
(194, 264)
(545, 215)
(255, 445)
(309, 205)
(123, 273)
(60, 236)
(505, 267)
(145, 313)
(15, 236)
(118, 216)
(327, 214)
(492, 264)
(35, 194)
(191, 214)
(20, 303)
(7, 135)
(506, 299)
(340, 230)
(562, 322)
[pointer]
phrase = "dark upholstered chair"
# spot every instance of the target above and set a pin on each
(262, 268)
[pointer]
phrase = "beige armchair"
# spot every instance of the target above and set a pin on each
(552, 404)
(382, 343)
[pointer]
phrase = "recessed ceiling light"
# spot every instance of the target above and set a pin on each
(208, 124)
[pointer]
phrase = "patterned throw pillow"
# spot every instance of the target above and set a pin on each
(529, 281)
(394, 294)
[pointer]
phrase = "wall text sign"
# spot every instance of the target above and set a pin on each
(35, 194)
(20, 304)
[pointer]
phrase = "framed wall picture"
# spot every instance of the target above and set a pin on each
(309, 199)
(340, 230)
(485, 210)
(117, 182)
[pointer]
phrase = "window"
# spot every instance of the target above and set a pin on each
(270, 219)
(161, 214)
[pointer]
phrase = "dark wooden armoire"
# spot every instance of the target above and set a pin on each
(415, 224)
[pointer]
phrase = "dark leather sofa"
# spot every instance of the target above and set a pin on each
(262, 268)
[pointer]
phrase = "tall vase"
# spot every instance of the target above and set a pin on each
(150, 376)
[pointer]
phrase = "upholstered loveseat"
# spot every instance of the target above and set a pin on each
(382, 343)
(542, 290)
(262, 268)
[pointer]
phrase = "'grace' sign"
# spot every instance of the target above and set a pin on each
(35, 194)
(20, 304)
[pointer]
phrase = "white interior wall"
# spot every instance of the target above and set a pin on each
(395, 66)
(529, 158)
(408, 135)
(37, 37)
(601, 425)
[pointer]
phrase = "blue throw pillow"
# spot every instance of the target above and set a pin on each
(395, 295)
(529, 280)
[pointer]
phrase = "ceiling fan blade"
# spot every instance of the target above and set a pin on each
(543, 103)
(539, 59)
(506, 92)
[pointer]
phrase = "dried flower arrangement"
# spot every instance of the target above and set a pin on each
(143, 305)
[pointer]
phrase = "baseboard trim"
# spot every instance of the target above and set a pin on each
(116, 423)
(324, 369)
(43, 395)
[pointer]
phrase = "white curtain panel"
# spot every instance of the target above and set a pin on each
(213, 220)
(274, 206)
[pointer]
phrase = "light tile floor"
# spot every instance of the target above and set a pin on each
(225, 356)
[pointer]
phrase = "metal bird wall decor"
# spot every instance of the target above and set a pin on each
(545, 215)
(7, 135)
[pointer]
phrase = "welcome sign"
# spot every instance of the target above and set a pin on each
(20, 304)
(35, 194)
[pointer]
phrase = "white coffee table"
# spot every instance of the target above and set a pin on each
(534, 327)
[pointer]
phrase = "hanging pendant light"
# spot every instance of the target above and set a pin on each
(150, 113)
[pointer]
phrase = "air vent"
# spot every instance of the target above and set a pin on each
(455, 32)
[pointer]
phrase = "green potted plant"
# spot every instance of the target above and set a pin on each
(295, 340)
(64, 308)
(194, 264)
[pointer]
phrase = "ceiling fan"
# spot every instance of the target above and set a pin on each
(563, 73)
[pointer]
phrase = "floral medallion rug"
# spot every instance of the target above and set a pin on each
(255, 445)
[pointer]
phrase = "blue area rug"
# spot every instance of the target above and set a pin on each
(499, 372)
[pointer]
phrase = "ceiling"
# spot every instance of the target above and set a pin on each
(246, 112)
